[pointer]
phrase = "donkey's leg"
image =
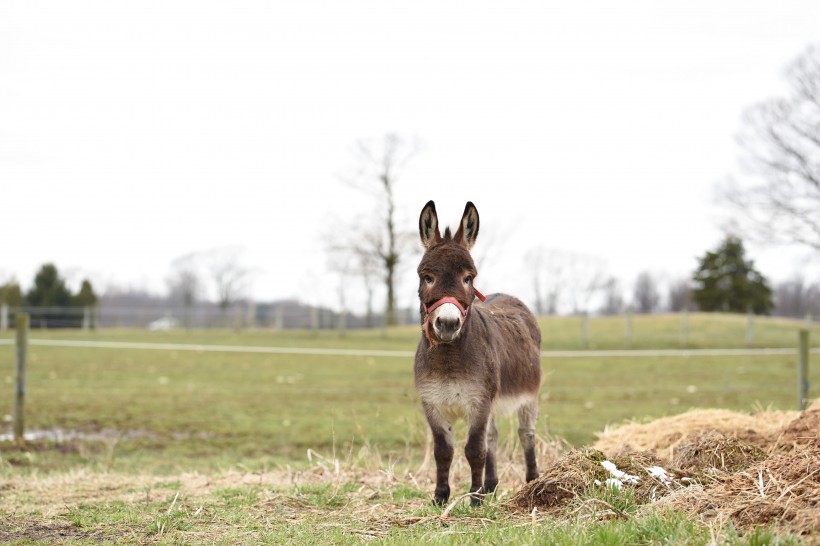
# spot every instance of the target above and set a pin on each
(442, 451)
(490, 476)
(476, 451)
(527, 415)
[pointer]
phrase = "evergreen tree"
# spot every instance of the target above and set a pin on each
(726, 281)
(11, 295)
(86, 296)
(49, 289)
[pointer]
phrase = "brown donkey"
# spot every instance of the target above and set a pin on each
(473, 360)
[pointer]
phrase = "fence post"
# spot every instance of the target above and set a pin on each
(4, 317)
(86, 318)
(342, 323)
(684, 328)
(21, 324)
(803, 371)
(750, 328)
(585, 330)
(314, 320)
(279, 321)
(628, 333)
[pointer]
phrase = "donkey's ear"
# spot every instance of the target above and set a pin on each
(428, 225)
(468, 228)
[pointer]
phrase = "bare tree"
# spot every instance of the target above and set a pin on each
(229, 276)
(185, 284)
(564, 280)
(547, 277)
(613, 297)
(378, 240)
(781, 143)
(680, 295)
(645, 296)
(796, 298)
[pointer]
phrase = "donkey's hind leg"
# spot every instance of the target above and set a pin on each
(490, 476)
(527, 415)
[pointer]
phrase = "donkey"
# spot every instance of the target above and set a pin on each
(473, 360)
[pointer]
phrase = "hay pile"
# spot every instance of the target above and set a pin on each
(662, 436)
(715, 452)
(750, 470)
(783, 490)
(582, 469)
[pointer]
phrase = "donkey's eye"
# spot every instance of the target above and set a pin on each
(428, 279)
(468, 279)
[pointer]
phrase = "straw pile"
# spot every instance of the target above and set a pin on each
(721, 466)
(662, 436)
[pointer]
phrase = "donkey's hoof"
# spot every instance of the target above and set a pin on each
(440, 501)
(476, 499)
(531, 476)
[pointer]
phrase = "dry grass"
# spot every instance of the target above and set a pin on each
(361, 496)
(662, 436)
(713, 476)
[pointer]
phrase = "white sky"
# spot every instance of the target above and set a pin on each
(134, 132)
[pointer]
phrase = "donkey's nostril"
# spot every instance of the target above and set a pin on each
(438, 323)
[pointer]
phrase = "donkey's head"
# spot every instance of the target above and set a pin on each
(446, 274)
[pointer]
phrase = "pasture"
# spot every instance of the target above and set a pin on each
(196, 446)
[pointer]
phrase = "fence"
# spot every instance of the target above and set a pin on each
(287, 315)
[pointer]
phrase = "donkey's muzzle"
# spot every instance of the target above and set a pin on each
(447, 322)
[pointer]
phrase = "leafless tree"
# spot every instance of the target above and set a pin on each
(377, 239)
(680, 295)
(547, 279)
(229, 276)
(781, 144)
(564, 280)
(613, 297)
(645, 296)
(796, 298)
(185, 284)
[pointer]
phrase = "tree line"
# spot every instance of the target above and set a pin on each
(59, 306)
(777, 203)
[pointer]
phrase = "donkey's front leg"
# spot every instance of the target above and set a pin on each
(442, 451)
(476, 453)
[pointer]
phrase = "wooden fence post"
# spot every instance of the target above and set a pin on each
(4, 317)
(279, 317)
(628, 334)
(750, 328)
(86, 318)
(803, 371)
(314, 320)
(21, 324)
(585, 330)
(684, 328)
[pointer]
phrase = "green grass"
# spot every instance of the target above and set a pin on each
(169, 415)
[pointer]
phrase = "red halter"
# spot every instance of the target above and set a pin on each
(439, 303)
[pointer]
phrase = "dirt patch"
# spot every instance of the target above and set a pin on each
(41, 531)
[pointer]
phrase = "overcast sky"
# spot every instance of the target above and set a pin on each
(135, 132)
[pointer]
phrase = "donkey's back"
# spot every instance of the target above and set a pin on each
(511, 330)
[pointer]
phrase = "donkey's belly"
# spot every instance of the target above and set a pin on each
(452, 399)
(505, 405)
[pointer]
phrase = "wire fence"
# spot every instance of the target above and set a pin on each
(285, 315)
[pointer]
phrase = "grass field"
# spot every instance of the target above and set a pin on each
(149, 425)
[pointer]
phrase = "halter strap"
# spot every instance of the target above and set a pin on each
(439, 303)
